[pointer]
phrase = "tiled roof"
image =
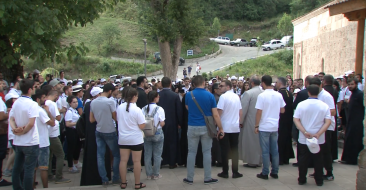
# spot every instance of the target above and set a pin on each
(337, 3)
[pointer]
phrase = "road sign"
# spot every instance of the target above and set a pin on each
(189, 52)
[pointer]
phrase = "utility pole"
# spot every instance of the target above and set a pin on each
(145, 42)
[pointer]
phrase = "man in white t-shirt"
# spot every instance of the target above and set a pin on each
(328, 99)
(55, 143)
(62, 77)
(23, 123)
(312, 118)
(229, 108)
(43, 120)
(269, 106)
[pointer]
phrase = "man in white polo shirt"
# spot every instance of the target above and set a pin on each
(23, 123)
(312, 118)
(269, 106)
(43, 120)
(229, 108)
(328, 99)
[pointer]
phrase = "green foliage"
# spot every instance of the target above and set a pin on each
(301, 7)
(204, 75)
(285, 25)
(216, 26)
(126, 10)
(276, 64)
(110, 33)
(35, 27)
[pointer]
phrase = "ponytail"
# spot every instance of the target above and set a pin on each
(130, 93)
(151, 97)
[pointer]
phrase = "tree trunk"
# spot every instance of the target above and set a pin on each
(166, 58)
(9, 72)
(176, 55)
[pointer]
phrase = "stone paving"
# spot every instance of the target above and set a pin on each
(345, 179)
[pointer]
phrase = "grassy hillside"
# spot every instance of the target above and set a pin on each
(276, 64)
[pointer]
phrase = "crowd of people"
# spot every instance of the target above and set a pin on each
(122, 125)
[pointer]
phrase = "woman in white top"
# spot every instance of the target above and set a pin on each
(73, 140)
(130, 137)
(153, 145)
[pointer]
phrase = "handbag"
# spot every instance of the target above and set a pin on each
(209, 120)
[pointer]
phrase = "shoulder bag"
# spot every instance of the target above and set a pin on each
(209, 120)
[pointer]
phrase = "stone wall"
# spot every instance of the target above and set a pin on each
(323, 43)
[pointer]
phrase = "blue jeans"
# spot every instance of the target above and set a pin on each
(110, 139)
(196, 134)
(268, 142)
(153, 147)
(25, 156)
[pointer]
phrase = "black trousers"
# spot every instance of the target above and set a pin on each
(327, 153)
(229, 144)
(304, 156)
(73, 146)
(3, 150)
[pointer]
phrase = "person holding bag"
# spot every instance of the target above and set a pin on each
(153, 145)
(200, 128)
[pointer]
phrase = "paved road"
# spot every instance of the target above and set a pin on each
(230, 54)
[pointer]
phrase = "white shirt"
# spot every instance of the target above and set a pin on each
(64, 80)
(312, 114)
(159, 116)
(360, 85)
(72, 115)
(42, 119)
(186, 89)
(53, 131)
(346, 93)
(129, 132)
(230, 105)
(327, 98)
(23, 109)
(270, 102)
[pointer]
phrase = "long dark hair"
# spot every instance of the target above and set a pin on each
(131, 92)
(87, 95)
(336, 83)
(151, 97)
(243, 88)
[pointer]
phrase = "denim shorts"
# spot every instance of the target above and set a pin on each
(43, 157)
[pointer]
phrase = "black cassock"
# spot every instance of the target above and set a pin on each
(353, 143)
(89, 172)
(183, 138)
(285, 128)
(334, 137)
(172, 106)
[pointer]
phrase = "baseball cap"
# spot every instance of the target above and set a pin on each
(11, 95)
(233, 78)
(117, 81)
(77, 88)
(95, 91)
(102, 80)
(313, 145)
(54, 82)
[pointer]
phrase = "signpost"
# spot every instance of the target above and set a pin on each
(189, 52)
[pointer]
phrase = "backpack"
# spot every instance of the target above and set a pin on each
(150, 129)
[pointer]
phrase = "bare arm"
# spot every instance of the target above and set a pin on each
(217, 119)
(240, 114)
(51, 122)
(114, 116)
(58, 118)
(282, 110)
(333, 112)
(162, 123)
(220, 112)
(80, 111)
(323, 129)
(339, 104)
(3, 115)
(70, 124)
(29, 125)
(92, 118)
(301, 128)
(258, 117)
(142, 126)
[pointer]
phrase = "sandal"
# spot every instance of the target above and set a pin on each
(140, 186)
(123, 184)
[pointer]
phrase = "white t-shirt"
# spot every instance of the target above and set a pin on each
(23, 109)
(72, 115)
(129, 132)
(42, 119)
(346, 93)
(270, 102)
(312, 114)
(327, 98)
(230, 105)
(360, 85)
(159, 116)
(53, 131)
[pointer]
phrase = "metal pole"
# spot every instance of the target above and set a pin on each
(145, 55)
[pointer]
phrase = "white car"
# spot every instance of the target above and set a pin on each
(222, 40)
(273, 44)
(286, 40)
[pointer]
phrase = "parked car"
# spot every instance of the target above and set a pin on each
(222, 40)
(239, 42)
(158, 59)
(273, 44)
(286, 40)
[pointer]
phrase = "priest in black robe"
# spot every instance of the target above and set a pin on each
(285, 124)
(89, 173)
(172, 106)
(353, 143)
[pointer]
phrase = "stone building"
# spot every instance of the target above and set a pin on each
(325, 43)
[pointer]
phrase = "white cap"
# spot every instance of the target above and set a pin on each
(339, 77)
(102, 80)
(117, 80)
(241, 78)
(11, 95)
(227, 75)
(349, 72)
(210, 82)
(214, 79)
(297, 91)
(313, 145)
(77, 88)
(233, 78)
(316, 74)
(80, 83)
(95, 91)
